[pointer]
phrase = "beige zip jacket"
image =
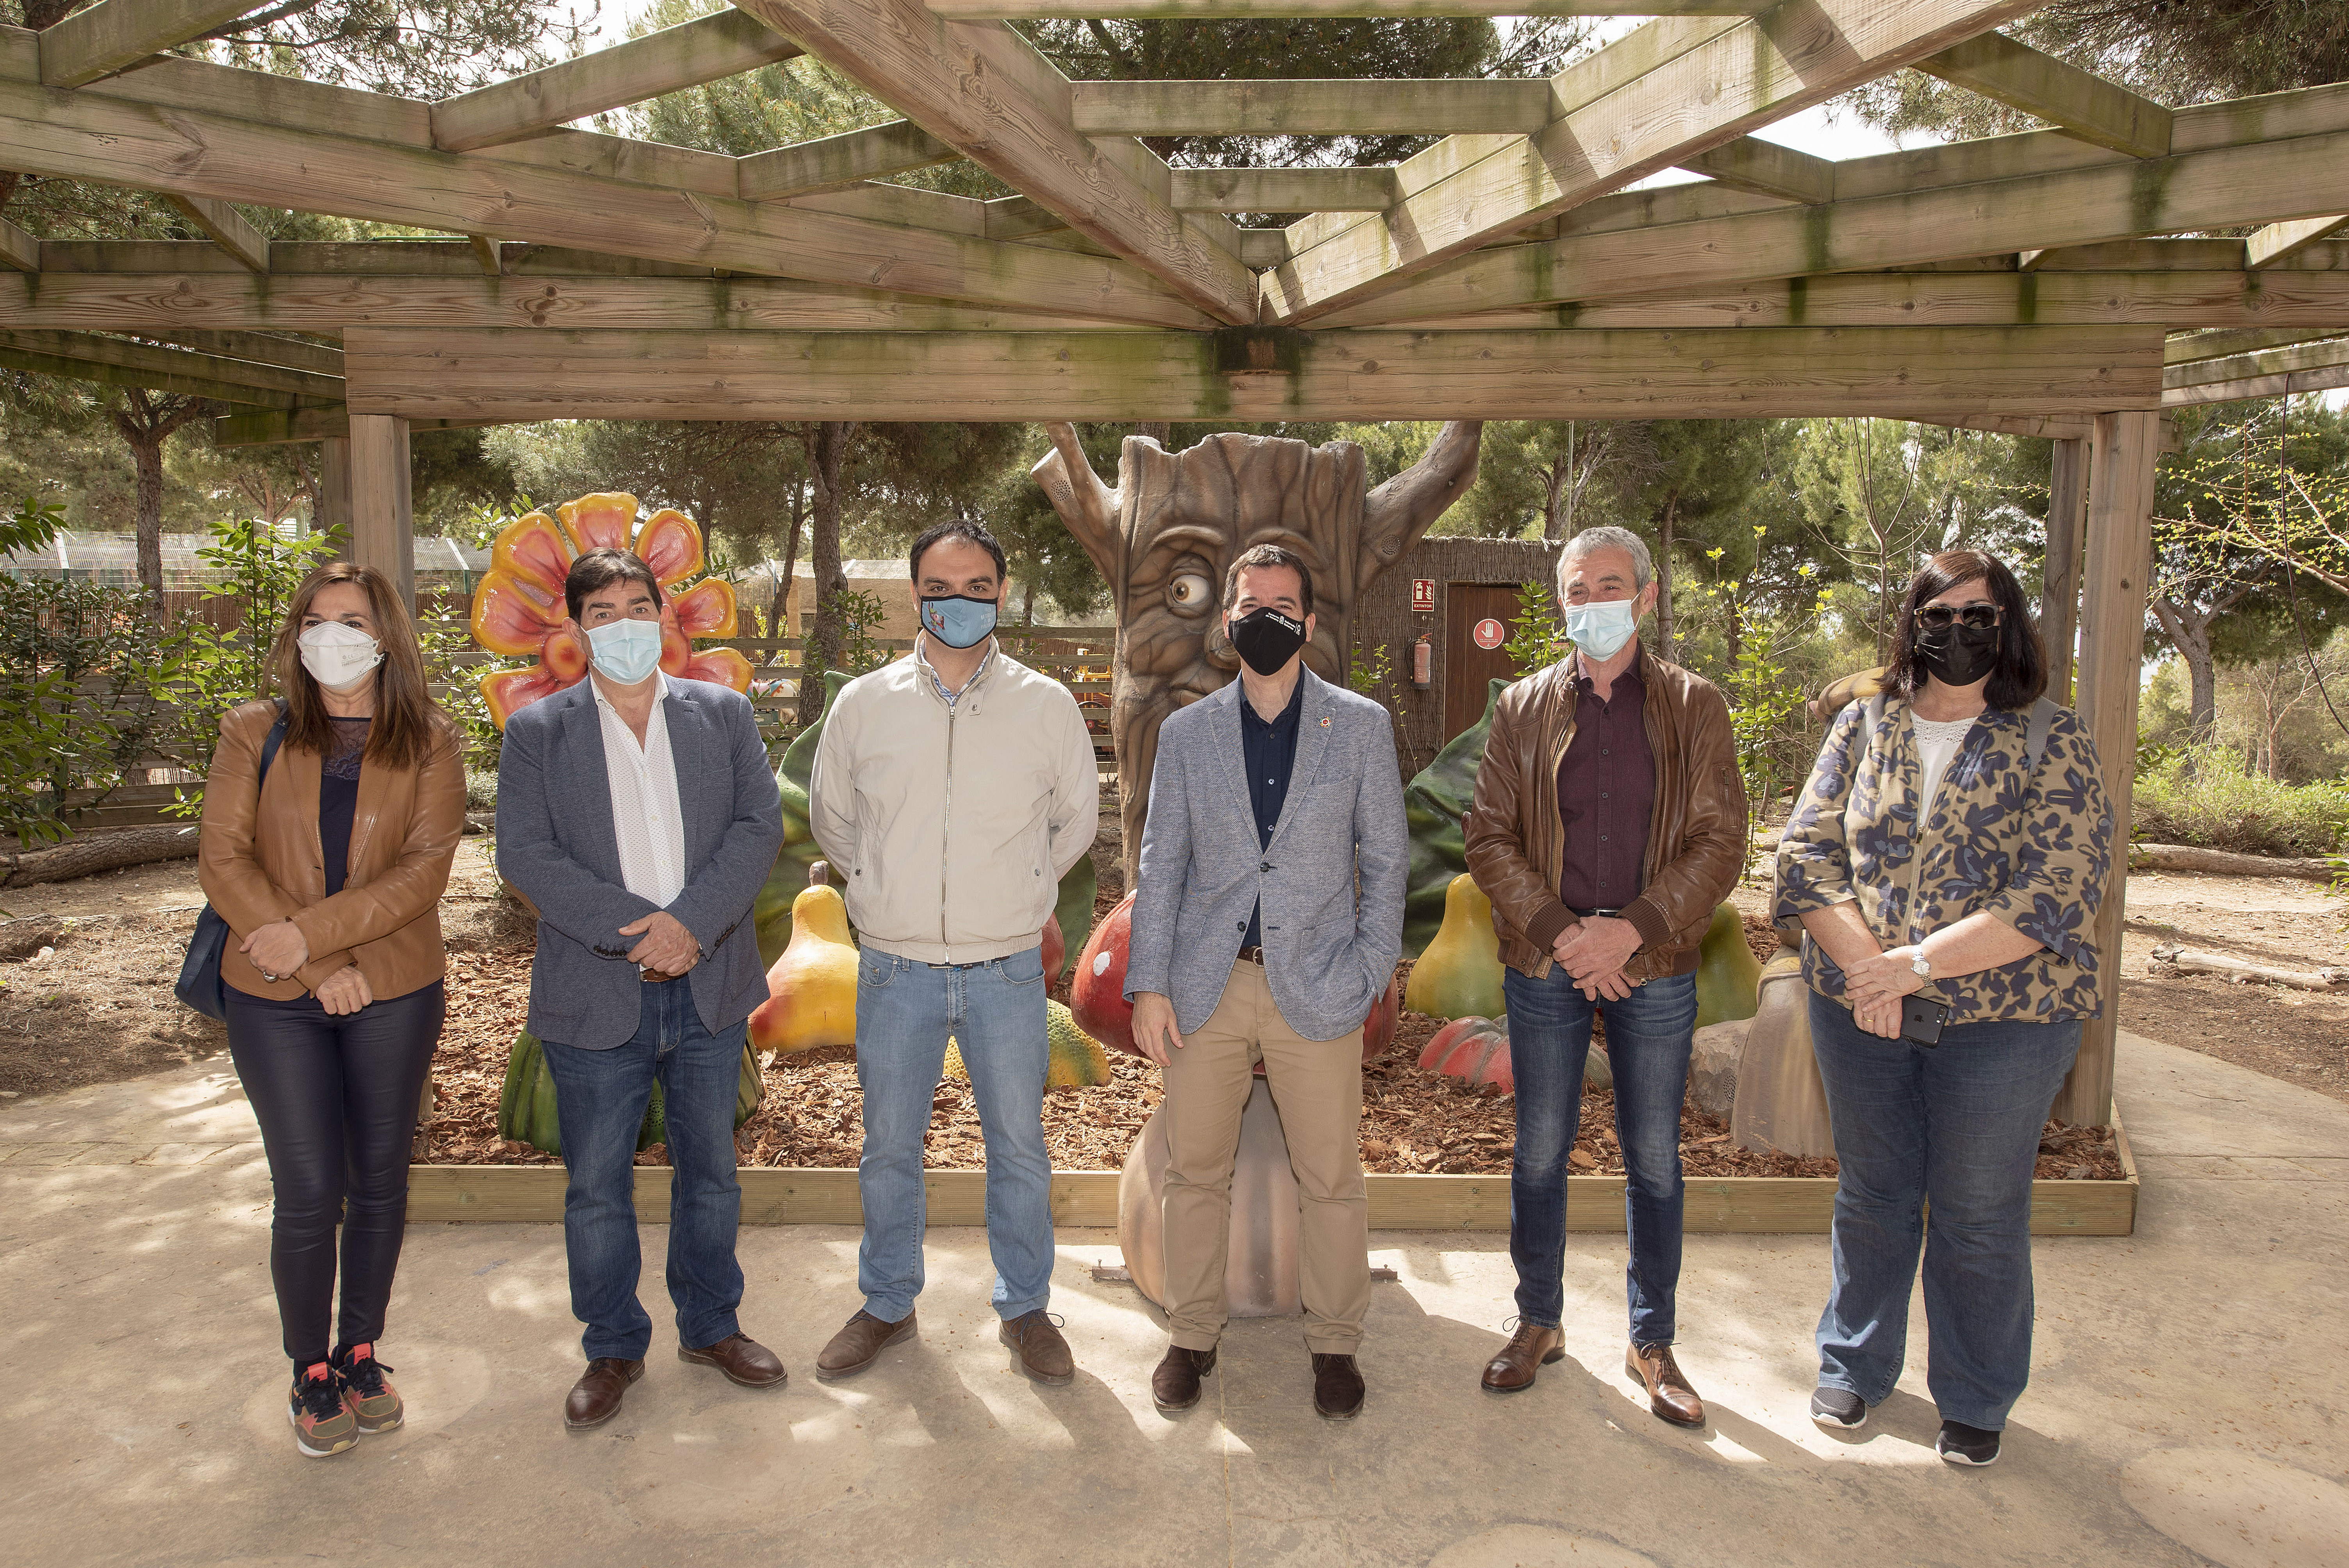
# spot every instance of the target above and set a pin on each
(952, 824)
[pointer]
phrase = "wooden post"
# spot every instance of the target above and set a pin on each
(2120, 562)
(383, 529)
(332, 514)
(2059, 595)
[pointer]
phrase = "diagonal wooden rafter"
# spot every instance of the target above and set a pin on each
(227, 228)
(2282, 242)
(1765, 169)
(93, 136)
(1679, 89)
(981, 88)
(2219, 187)
(115, 35)
(213, 368)
(2066, 96)
(257, 347)
(2268, 373)
(706, 50)
(833, 163)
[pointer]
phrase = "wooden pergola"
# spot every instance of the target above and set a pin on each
(2035, 283)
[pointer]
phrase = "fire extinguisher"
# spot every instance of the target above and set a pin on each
(1423, 663)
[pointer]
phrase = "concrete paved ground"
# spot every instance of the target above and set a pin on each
(2190, 1400)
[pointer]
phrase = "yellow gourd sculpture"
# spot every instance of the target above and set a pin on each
(1459, 976)
(812, 990)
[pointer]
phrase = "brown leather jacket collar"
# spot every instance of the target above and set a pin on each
(259, 860)
(1696, 829)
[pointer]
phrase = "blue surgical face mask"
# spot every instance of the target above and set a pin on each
(958, 622)
(625, 651)
(1601, 630)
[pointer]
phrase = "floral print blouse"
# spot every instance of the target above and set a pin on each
(2034, 850)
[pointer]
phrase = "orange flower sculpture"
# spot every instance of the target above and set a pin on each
(519, 609)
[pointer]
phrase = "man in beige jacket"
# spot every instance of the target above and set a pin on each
(952, 790)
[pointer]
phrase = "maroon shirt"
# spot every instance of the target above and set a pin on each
(1606, 793)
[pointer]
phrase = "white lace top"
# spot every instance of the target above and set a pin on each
(1937, 748)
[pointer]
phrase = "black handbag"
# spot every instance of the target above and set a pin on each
(200, 985)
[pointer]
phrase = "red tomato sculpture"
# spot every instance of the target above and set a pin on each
(1097, 989)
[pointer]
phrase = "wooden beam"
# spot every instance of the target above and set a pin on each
(175, 380)
(227, 228)
(257, 347)
(1609, 133)
(332, 514)
(1202, 10)
(1247, 374)
(487, 252)
(2059, 591)
(982, 88)
(2186, 191)
(2282, 242)
(2282, 384)
(832, 162)
(212, 369)
(2040, 427)
(17, 249)
(328, 423)
(2267, 373)
(185, 151)
(724, 44)
(2072, 100)
(2112, 669)
(1274, 108)
(115, 35)
(2185, 348)
(1372, 190)
(1765, 169)
(383, 523)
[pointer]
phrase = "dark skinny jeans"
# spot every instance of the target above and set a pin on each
(337, 1100)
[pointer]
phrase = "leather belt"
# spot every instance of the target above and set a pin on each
(1252, 956)
(654, 977)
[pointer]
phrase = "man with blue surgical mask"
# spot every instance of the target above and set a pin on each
(1609, 825)
(638, 813)
(951, 792)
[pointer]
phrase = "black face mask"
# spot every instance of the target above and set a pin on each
(1958, 654)
(1266, 639)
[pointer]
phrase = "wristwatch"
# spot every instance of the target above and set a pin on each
(1921, 965)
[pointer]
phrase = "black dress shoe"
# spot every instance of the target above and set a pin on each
(1337, 1386)
(1174, 1384)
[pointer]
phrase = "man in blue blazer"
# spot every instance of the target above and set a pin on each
(1267, 918)
(640, 816)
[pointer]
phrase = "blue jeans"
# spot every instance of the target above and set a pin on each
(600, 1099)
(995, 1011)
(1649, 1034)
(1956, 1126)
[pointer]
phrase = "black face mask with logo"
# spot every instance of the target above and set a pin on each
(1266, 639)
(1958, 654)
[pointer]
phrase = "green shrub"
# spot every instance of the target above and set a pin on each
(2207, 798)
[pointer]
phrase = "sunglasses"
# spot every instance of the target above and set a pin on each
(1979, 617)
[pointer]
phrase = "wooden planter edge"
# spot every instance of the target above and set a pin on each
(801, 1195)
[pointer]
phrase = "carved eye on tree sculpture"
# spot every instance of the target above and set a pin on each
(1190, 594)
(519, 608)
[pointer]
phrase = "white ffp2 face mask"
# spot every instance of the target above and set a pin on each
(337, 656)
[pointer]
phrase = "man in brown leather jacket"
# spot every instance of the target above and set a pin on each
(1609, 824)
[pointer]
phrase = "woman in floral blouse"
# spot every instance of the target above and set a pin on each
(1987, 908)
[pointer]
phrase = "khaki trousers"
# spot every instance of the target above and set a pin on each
(1317, 1086)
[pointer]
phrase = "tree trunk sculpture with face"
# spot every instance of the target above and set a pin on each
(1164, 538)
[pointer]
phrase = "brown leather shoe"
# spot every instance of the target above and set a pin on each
(595, 1398)
(1043, 1353)
(1530, 1350)
(1669, 1394)
(1174, 1382)
(743, 1360)
(859, 1344)
(1337, 1386)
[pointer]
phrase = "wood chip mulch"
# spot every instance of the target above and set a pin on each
(1413, 1122)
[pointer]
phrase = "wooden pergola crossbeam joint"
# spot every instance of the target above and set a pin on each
(115, 35)
(228, 227)
(2072, 100)
(835, 162)
(2282, 242)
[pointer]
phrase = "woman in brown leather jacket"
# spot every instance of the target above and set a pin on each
(329, 875)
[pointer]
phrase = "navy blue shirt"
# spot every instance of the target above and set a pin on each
(1270, 751)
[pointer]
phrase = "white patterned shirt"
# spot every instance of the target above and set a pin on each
(645, 815)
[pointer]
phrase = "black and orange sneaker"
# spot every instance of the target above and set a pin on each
(375, 1403)
(323, 1421)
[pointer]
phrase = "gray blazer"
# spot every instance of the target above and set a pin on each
(556, 843)
(1330, 950)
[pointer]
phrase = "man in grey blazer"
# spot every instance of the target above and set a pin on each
(639, 814)
(1267, 918)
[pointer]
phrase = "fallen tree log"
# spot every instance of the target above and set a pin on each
(2225, 862)
(89, 854)
(2194, 960)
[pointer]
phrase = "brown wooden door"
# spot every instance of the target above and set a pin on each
(1469, 668)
